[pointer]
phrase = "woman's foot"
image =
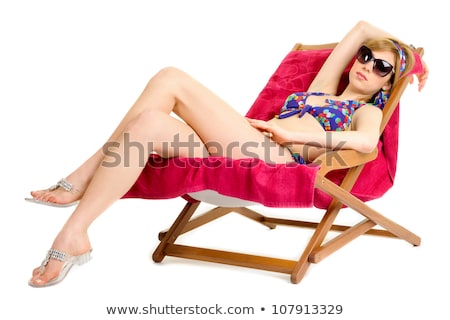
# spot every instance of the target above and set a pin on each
(63, 194)
(66, 251)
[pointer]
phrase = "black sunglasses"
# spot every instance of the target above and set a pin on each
(380, 67)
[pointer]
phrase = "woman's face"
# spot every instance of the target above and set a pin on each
(365, 79)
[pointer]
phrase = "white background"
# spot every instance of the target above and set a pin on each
(70, 69)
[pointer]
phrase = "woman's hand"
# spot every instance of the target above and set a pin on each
(421, 77)
(272, 130)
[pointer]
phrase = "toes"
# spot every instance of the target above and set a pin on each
(41, 277)
(44, 196)
(53, 196)
(37, 194)
(36, 272)
(40, 195)
(51, 199)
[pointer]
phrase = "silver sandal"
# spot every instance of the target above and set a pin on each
(67, 186)
(68, 262)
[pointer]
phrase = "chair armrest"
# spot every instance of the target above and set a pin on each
(342, 159)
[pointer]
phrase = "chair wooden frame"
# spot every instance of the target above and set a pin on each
(316, 249)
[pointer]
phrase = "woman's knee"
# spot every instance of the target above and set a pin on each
(169, 74)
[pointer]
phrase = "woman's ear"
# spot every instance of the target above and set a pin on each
(387, 86)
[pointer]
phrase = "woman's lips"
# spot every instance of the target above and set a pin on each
(361, 76)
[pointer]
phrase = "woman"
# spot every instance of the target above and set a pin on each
(302, 131)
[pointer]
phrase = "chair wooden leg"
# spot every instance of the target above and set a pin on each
(325, 225)
(341, 240)
(219, 212)
(316, 240)
(351, 201)
(203, 219)
(175, 230)
(231, 258)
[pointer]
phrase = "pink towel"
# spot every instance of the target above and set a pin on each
(273, 185)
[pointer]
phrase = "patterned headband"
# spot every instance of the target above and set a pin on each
(402, 55)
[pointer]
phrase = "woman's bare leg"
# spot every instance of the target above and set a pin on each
(73, 237)
(209, 121)
(155, 96)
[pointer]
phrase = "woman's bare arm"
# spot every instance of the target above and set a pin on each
(328, 78)
(364, 136)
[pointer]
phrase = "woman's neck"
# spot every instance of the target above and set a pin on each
(349, 94)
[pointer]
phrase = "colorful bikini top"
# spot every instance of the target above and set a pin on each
(333, 116)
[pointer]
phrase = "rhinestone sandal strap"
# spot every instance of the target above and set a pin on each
(54, 254)
(66, 185)
(57, 255)
(63, 183)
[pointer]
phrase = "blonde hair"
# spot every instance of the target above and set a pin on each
(388, 45)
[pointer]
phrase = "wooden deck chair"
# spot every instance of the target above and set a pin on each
(333, 192)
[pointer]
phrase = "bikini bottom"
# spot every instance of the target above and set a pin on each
(296, 156)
